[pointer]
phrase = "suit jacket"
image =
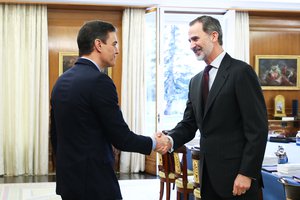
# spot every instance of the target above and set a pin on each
(233, 124)
(85, 121)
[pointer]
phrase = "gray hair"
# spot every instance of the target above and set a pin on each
(209, 25)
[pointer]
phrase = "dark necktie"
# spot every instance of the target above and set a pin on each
(205, 86)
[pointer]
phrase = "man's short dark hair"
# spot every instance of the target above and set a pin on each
(91, 31)
(209, 25)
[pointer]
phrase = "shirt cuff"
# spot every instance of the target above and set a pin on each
(172, 143)
(153, 143)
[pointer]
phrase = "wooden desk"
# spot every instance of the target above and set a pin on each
(272, 188)
(287, 128)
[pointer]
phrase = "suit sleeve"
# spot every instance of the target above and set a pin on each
(105, 104)
(254, 116)
(53, 135)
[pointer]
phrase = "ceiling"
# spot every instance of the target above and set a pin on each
(250, 5)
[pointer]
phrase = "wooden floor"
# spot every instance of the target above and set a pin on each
(51, 178)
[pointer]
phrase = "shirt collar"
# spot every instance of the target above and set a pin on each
(100, 69)
(217, 61)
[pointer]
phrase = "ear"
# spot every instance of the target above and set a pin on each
(215, 36)
(98, 44)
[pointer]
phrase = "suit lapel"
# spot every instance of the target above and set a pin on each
(199, 88)
(219, 81)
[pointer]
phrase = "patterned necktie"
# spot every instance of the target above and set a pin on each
(205, 86)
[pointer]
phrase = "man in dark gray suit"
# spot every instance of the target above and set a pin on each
(232, 118)
(86, 120)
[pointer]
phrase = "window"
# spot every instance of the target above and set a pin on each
(170, 64)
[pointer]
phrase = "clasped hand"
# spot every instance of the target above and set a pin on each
(163, 143)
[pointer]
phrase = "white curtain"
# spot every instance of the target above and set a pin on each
(133, 86)
(24, 96)
(228, 27)
(242, 50)
(236, 34)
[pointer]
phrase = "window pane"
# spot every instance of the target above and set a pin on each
(179, 66)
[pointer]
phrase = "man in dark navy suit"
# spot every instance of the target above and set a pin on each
(232, 118)
(86, 120)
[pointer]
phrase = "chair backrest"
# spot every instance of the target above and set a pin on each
(195, 161)
(181, 164)
(272, 188)
(160, 162)
(166, 163)
(292, 191)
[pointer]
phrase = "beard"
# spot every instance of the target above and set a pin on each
(205, 52)
(200, 57)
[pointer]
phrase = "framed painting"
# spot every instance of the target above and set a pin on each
(68, 59)
(278, 72)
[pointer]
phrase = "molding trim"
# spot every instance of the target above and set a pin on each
(246, 5)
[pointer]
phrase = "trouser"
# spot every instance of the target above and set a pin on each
(208, 192)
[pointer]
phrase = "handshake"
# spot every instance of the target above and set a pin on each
(163, 143)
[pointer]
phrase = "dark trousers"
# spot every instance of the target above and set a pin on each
(65, 198)
(208, 192)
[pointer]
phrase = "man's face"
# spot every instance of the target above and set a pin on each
(109, 50)
(201, 42)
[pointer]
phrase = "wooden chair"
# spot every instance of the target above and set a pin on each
(195, 161)
(166, 174)
(292, 191)
(189, 163)
(184, 183)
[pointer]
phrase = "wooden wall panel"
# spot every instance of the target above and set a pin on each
(63, 26)
(275, 35)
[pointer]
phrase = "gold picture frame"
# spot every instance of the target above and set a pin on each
(279, 106)
(278, 72)
(68, 59)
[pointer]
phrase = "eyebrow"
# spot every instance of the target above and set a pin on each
(193, 38)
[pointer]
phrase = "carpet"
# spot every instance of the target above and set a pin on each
(145, 189)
